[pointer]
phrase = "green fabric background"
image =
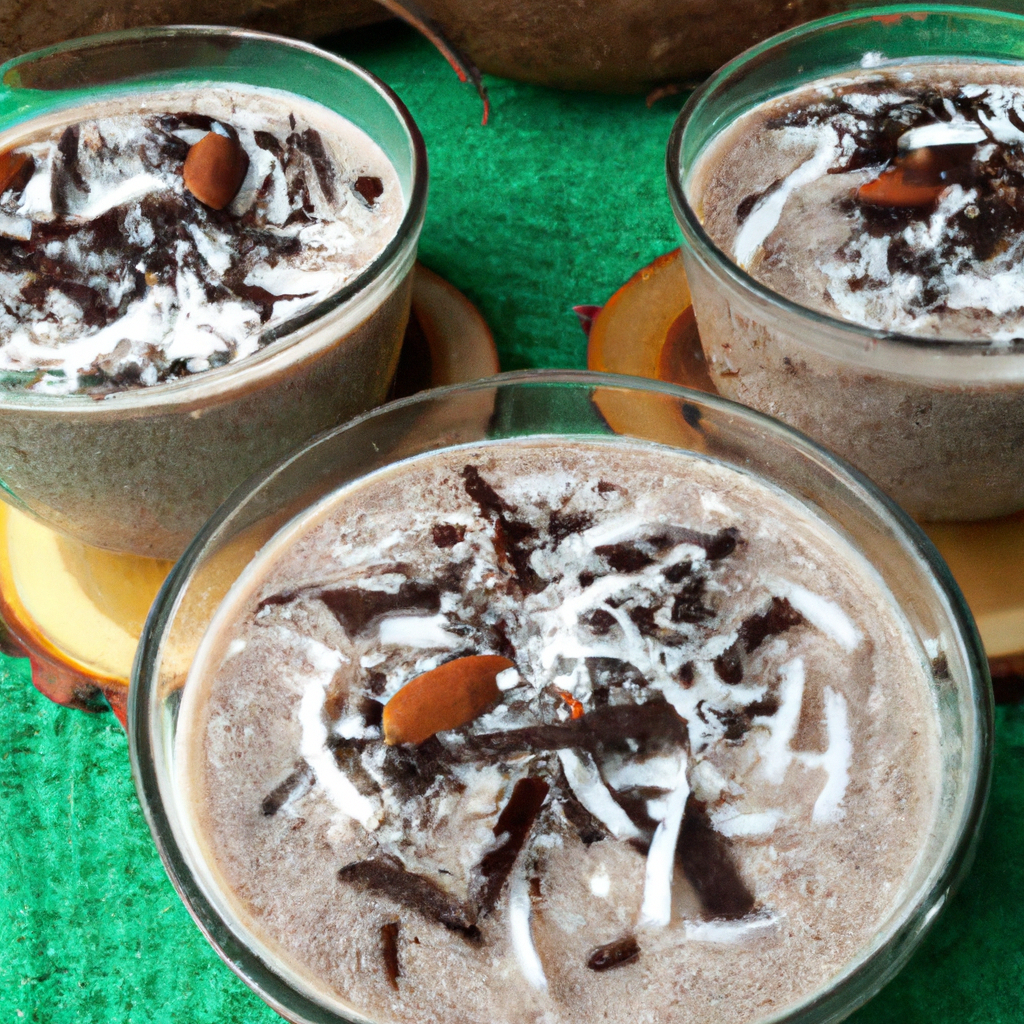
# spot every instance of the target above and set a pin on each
(555, 203)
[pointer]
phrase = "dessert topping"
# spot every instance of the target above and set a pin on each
(215, 169)
(444, 698)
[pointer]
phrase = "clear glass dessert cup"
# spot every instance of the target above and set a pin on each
(938, 424)
(142, 469)
(574, 407)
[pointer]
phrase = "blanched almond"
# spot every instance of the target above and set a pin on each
(444, 698)
(215, 169)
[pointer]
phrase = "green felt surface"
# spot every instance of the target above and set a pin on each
(555, 203)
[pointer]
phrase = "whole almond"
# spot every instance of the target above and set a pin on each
(15, 170)
(444, 698)
(215, 169)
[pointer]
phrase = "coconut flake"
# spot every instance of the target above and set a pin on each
(656, 909)
(519, 911)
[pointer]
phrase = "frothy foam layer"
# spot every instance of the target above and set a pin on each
(113, 275)
(892, 198)
(709, 771)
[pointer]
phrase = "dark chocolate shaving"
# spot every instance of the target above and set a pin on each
(565, 524)
(654, 724)
(387, 877)
(729, 667)
(310, 143)
(514, 823)
(614, 954)
(389, 951)
(678, 572)
(600, 620)
(511, 536)
(357, 609)
(779, 617)
(301, 778)
(707, 861)
(370, 188)
(754, 630)
(626, 557)
(447, 535)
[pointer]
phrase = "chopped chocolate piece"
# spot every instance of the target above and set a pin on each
(447, 535)
(624, 557)
(707, 862)
(310, 143)
(655, 723)
(779, 617)
(728, 666)
(300, 779)
(586, 579)
(722, 544)
(600, 620)
(678, 572)
(389, 951)
(372, 712)
(565, 524)
(685, 675)
(514, 823)
(371, 189)
(387, 877)
(490, 502)
(357, 609)
(615, 954)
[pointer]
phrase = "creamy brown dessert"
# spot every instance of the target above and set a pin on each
(193, 281)
(147, 241)
(533, 730)
(887, 199)
(892, 198)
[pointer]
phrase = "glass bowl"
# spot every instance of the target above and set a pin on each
(938, 424)
(574, 408)
(142, 470)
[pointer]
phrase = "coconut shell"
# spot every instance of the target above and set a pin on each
(618, 45)
(30, 24)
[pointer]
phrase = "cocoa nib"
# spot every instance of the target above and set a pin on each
(386, 876)
(297, 782)
(389, 951)
(614, 954)
(357, 609)
(707, 861)
(514, 823)
(370, 188)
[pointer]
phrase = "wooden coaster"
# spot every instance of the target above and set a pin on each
(76, 612)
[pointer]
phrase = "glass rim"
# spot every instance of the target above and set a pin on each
(275, 342)
(907, 923)
(861, 338)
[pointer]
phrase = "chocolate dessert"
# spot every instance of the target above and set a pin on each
(525, 730)
(138, 247)
(893, 199)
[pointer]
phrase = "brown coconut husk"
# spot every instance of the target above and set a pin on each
(638, 46)
(31, 24)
